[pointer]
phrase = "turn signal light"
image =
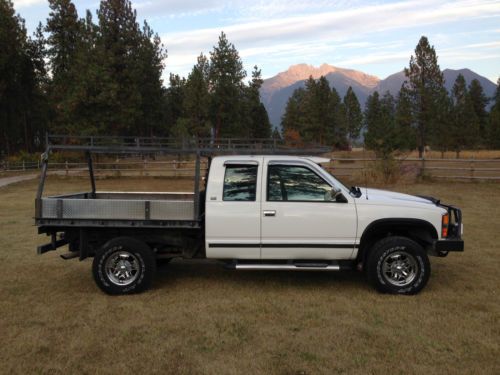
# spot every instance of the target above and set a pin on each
(444, 225)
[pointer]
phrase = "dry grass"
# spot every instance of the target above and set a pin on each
(199, 318)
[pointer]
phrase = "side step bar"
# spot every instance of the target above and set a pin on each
(289, 267)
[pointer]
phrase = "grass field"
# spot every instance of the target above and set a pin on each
(201, 319)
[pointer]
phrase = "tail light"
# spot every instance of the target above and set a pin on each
(445, 221)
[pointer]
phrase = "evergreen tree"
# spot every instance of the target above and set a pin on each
(494, 120)
(226, 86)
(317, 114)
(383, 135)
(293, 119)
(22, 81)
(465, 131)
(175, 106)
(479, 102)
(443, 124)
(339, 126)
(425, 84)
(90, 101)
(121, 38)
(353, 114)
(150, 54)
(64, 32)
(405, 131)
(196, 100)
(256, 114)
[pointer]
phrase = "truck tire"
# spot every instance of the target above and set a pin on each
(398, 265)
(124, 266)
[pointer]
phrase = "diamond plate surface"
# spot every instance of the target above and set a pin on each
(103, 209)
(172, 210)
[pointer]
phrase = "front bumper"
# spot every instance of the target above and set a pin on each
(448, 245)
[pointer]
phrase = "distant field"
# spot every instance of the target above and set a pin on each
(201, 319)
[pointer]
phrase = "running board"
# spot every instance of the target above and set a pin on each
(288, 267)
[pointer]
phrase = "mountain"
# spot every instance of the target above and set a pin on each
(394, 81)
(276, 90)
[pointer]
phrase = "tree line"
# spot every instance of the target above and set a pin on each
(102, 75)
(422, 114)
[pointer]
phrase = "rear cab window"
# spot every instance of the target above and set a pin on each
(240, 182)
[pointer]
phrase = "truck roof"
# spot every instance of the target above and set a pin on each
(314, 159)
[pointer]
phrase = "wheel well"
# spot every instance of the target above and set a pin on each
(420, 231)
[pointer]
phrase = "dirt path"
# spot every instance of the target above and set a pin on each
(12, 180)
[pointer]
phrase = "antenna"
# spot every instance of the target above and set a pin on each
(364, 172)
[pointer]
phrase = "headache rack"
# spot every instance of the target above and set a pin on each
(144, 209)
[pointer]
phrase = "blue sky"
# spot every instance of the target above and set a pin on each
(376, 37)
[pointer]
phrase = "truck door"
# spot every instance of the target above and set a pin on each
(233, 209)
(299, 219)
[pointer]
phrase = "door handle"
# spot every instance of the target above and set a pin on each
(269, 213)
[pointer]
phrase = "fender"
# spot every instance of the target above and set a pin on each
(417, 228)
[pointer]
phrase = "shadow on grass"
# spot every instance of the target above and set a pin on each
(213, 273)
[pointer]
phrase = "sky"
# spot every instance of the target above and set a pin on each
(376, 37)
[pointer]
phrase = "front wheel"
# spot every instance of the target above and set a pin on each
(398, 265)
(124, 266)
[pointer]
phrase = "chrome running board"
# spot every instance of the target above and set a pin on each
(288, 267)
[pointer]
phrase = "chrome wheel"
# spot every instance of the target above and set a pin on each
(122, 268)
(400, 268)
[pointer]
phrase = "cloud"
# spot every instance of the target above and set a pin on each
(155, 8)
(26, 3)
(326, 30)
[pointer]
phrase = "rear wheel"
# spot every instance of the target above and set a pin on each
(398, 265)
(124, 266)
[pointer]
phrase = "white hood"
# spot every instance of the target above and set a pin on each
(393, 198)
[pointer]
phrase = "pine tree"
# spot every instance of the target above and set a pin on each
(404, 123)
(425, 84)
(226, 86)
(353, 114)
(175, 106)
(443, 127)
(258, 119)
(479, 102)
(494, 120)
(465, 131)
(383, 134)
(150, 54)
(120, 37)
(22, 84)
(339, 121)
(293, 119)
(64, 32)
(317, 113)
(196, 101)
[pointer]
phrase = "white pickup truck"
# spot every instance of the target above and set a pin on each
(257, 213)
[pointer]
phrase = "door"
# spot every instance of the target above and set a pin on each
(233, 209)
(299, 218)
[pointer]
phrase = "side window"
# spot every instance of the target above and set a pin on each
(295, 183)
(240, 183)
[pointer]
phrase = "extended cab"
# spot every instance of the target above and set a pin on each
(256, 213)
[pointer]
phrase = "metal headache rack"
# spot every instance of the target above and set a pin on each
(127, 209)
(202, 146)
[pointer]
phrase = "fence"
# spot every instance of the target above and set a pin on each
(450, 169)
